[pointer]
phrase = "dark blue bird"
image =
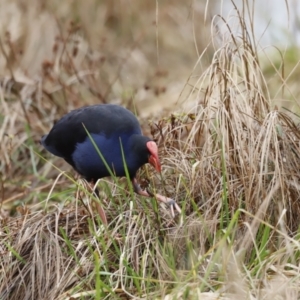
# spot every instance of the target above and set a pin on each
(118, 136)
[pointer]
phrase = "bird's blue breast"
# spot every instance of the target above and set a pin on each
(88, 162)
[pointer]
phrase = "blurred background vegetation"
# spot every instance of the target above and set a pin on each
(125, 51)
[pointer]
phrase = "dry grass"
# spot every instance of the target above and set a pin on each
(54, 255)
(231, 161)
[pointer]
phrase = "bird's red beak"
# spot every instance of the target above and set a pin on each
(153, 159)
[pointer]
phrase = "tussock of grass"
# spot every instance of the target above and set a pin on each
(52, 255)
(231, 162)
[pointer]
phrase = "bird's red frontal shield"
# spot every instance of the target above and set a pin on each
(153, 159)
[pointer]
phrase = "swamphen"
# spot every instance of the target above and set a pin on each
(117, 134)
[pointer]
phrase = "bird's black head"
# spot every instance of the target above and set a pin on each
(145, 151)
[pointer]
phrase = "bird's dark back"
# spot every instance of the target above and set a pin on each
(103, 119)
